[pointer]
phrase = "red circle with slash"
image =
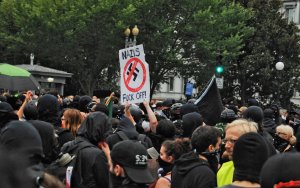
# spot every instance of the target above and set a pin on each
(135, 61)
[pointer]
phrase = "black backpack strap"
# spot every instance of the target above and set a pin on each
(76, 162)
(122, 135)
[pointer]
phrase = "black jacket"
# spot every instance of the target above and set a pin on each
(91, 168)
(49, 141)
(269, 125)
(128, 128)
(190, 171)
(48, 110)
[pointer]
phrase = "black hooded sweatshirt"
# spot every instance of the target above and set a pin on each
(23, 139)
(49, 141)
(90, 169)
(190, 122)
(128, 128)
(48, 110)
(191, 171)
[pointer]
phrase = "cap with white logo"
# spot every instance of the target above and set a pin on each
(133, 157)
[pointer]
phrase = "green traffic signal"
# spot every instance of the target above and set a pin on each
(219, 69)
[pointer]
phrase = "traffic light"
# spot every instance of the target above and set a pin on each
(219, 66)
(219, 69)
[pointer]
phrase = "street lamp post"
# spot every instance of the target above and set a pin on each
(129, 42)
(279, 66)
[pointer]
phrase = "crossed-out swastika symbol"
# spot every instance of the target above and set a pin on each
(132, 70)
(135, 72)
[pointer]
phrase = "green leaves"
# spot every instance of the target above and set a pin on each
(83, 37)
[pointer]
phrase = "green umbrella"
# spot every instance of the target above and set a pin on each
(16, 79)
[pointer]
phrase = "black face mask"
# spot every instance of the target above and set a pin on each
(280, 144)
(165, 167)
(116, 181)
(213, 159)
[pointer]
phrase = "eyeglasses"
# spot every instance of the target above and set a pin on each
(230, 141)
(279, 133)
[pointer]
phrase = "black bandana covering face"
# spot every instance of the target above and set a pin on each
(116, 181)
(280, 144)
(165, 167)
(213, 159)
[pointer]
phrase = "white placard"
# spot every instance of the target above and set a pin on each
(135, 80)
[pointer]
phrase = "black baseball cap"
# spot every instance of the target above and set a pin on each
(133, 157)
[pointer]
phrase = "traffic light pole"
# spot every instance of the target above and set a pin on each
(219, 70)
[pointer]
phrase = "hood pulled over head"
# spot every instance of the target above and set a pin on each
(95, 127)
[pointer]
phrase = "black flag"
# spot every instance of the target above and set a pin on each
(210, 103)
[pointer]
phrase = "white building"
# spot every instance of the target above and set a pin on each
(174, 88)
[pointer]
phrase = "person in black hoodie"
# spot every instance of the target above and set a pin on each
(49, 141)
(190, 122)
(269, 124)
(48, 108)
(196, 168)
(256, 114)
(127, 128)
(7, 114)
(24, 140)
(90, 169)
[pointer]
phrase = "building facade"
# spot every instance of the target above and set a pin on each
(49, 79)
(174, 88)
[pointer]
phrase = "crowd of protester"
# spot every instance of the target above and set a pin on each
(82, 141)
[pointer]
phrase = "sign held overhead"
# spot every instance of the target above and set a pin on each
(134, 82)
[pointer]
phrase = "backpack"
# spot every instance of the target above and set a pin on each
(63, 166)
(141, 138)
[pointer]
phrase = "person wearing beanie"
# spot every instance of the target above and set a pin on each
(256, 114)
(281, 171)
(249, 154)
(190, 122)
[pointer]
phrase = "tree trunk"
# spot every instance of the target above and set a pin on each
(241, 78)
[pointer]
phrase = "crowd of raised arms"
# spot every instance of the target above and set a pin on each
(83, 141)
